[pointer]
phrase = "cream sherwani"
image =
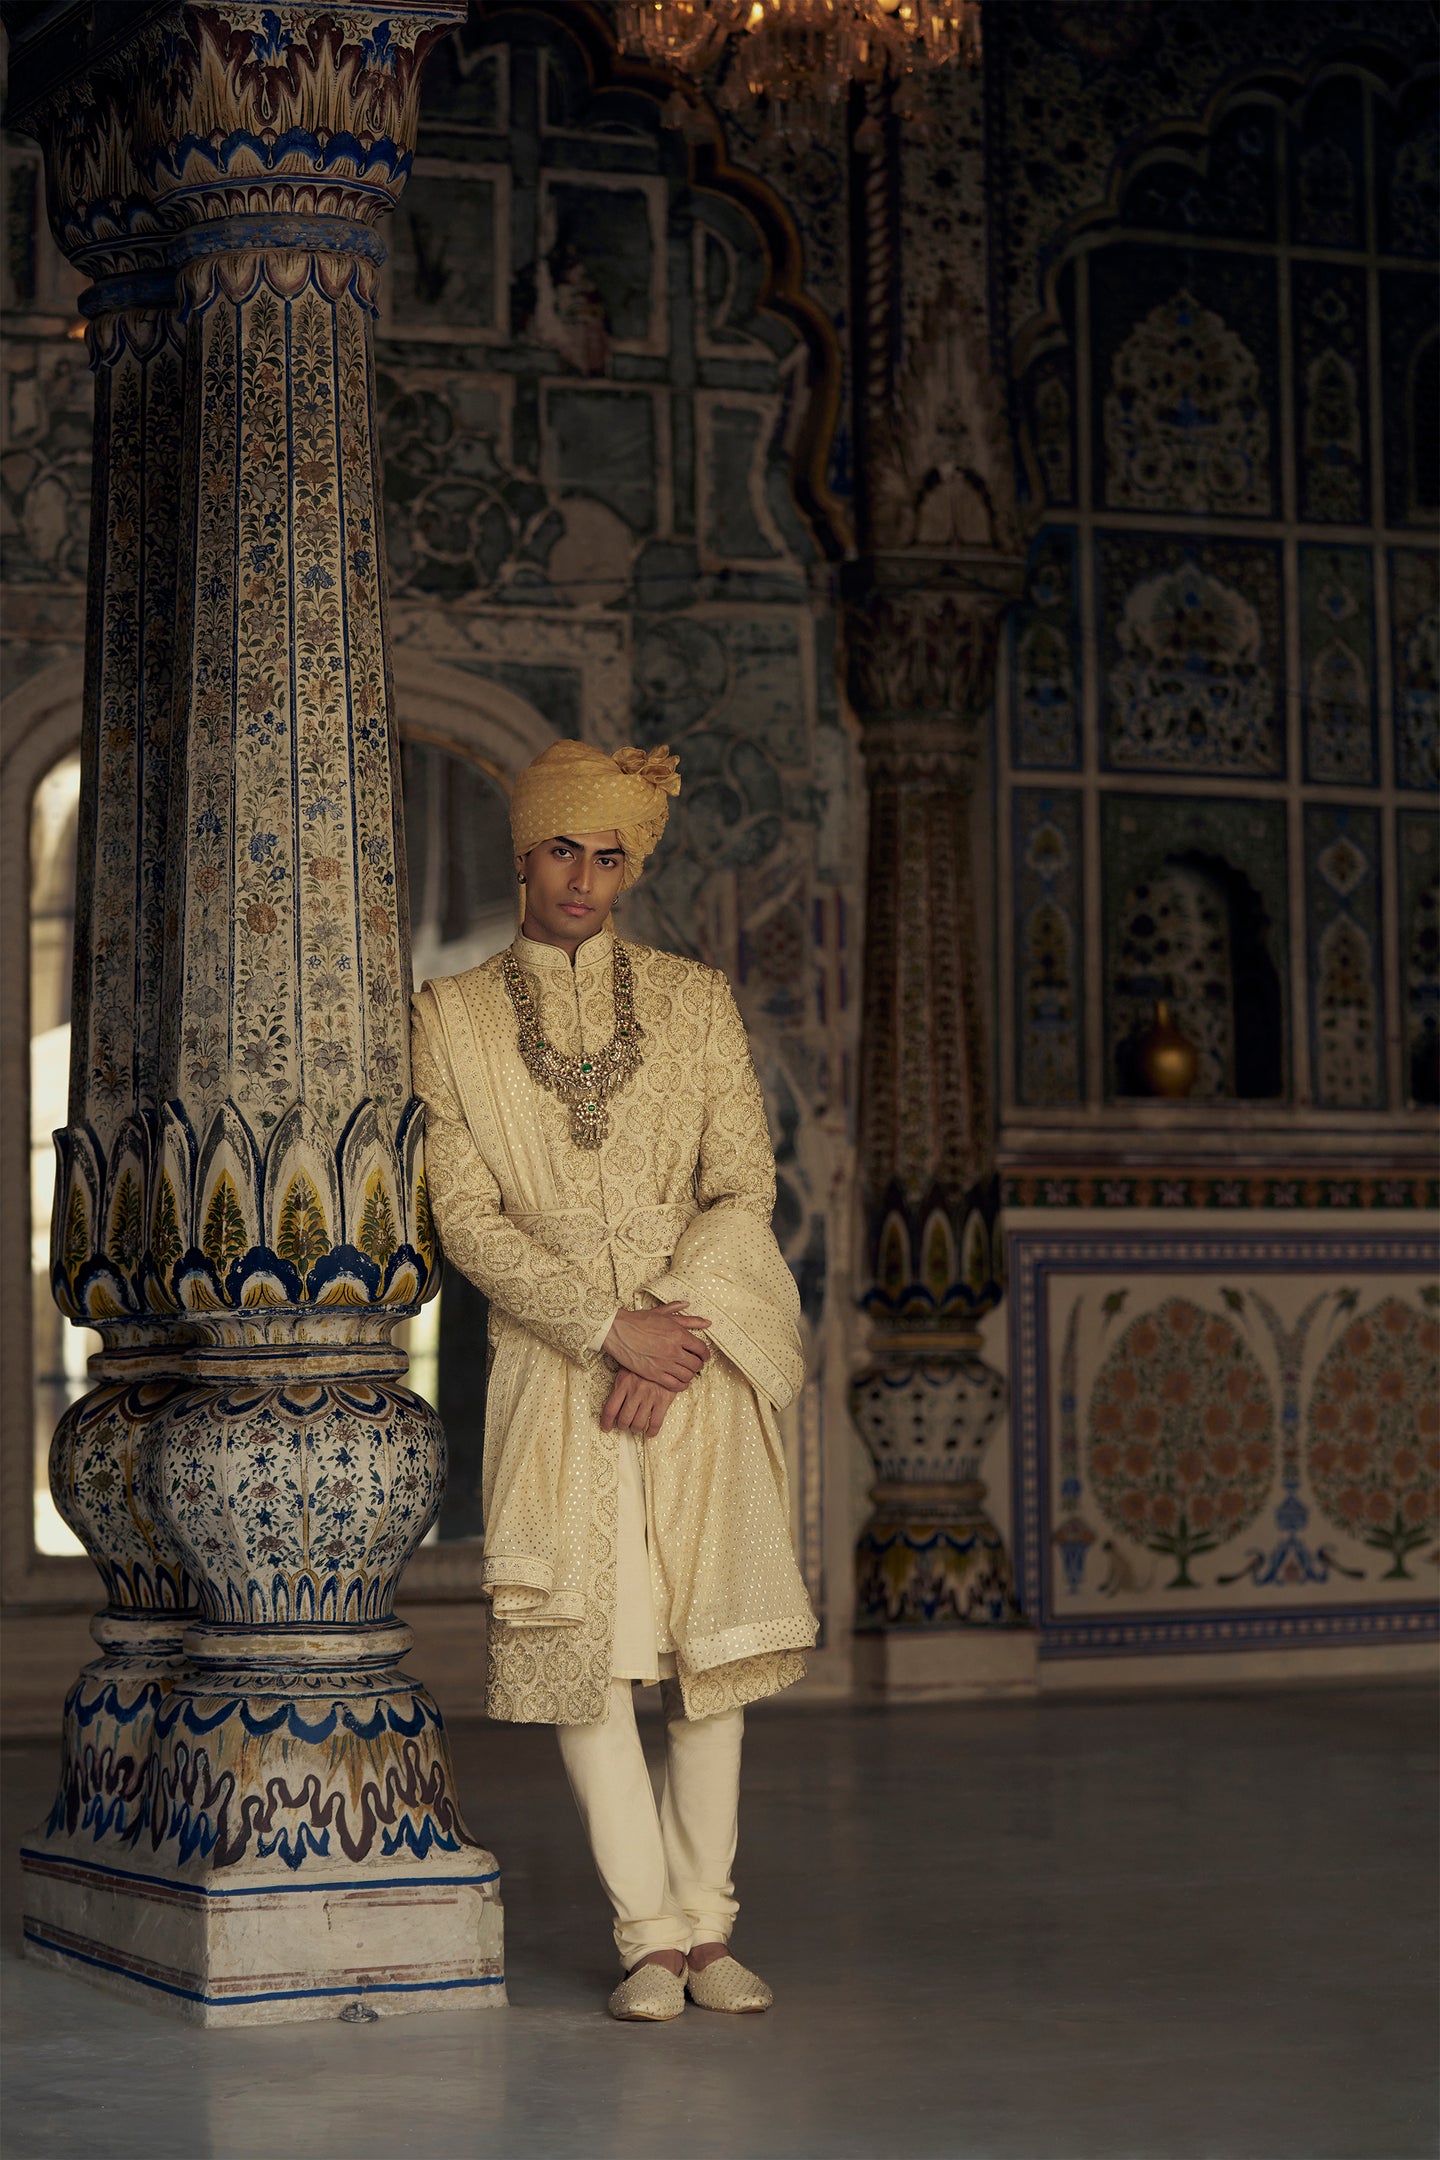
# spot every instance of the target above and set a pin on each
(676, 1203)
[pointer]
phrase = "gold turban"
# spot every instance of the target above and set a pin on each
(574, 788)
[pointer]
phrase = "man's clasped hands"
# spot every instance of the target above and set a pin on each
(658, 1352)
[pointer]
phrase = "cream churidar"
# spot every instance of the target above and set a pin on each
(676, 1203)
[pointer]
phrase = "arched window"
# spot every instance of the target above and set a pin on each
(58, 1350)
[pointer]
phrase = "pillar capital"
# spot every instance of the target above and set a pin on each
(945, 558)
(192, 133)
(920, 652)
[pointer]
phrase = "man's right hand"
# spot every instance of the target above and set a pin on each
(635, 1406)
(663, 1343)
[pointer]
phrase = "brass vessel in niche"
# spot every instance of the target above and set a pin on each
(1169, 1062)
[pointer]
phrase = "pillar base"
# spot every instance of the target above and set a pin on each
(285, 1845)
(947, 1664)
(271, 1950)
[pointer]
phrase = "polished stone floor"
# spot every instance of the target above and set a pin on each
(1173, 1929)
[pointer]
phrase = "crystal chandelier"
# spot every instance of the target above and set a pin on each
(798, 56)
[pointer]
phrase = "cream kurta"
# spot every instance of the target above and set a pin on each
(675, 1204)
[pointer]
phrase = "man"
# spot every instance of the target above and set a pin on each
(598, 1162)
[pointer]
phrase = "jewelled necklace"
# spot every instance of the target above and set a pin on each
(583, 1084)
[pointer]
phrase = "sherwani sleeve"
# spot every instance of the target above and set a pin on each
(727, 1264)
(536, 1287)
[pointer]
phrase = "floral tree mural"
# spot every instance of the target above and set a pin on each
(1181, 1440)
(1374, 1431)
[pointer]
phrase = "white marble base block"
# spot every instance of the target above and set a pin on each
(268, 1949)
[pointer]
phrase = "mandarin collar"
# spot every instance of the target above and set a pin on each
(551, 960)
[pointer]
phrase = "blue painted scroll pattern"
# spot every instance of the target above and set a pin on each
(206, 1782)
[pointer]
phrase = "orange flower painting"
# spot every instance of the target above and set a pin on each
(1181, 1448)
(1373, 1432)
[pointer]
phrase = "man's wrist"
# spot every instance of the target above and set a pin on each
(598, 1340)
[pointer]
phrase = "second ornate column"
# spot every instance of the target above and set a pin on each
(941, 559)
(929, 1560)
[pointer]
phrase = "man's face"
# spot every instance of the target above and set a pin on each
(570, 886)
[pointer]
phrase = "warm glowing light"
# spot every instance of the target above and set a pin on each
(798, 56)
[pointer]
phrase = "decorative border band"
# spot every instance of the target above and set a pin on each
(264, 230)
(1209, 1189)
(1317, 1629)
(84, 1952)
(35, 1860)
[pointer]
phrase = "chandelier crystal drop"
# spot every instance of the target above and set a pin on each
(796, 57)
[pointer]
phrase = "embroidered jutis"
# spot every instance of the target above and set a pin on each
(674, 1201)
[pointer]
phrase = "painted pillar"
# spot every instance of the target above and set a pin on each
(921, 647)
(940, 559)
(136, 354)
(247, 1236)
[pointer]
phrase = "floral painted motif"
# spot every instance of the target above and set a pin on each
(1337, 663)
(121, 929)
(1342, 861)
(299, 1503)
(45, 487)
(1346, 1018)
(282, 872)
(1415, 630)
(1052, 427)
(1373, 1432)
(1190, 686)
(1415, 188)
(1328, 196)
(96, 1458)
(1045, 665)
(1181, 1442)
(1185, 427)
(1331, 390)
(1048, 955)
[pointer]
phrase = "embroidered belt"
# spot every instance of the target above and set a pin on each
(582, 1233)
